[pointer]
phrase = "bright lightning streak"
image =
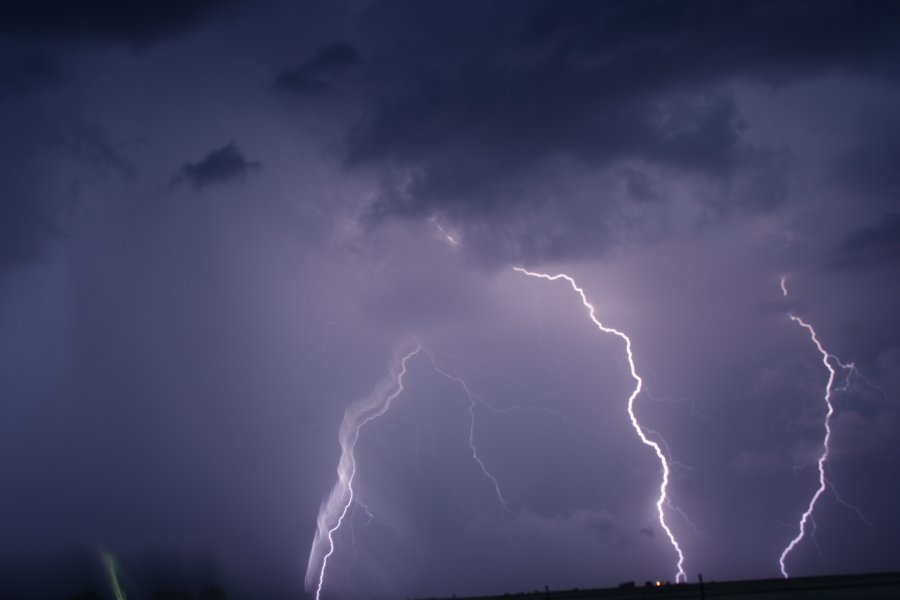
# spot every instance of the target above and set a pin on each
(334, 510)
(807, 517)
(664, 484)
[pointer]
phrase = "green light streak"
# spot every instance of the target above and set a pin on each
(112, 568)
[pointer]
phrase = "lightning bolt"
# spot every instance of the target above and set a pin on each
(334, 510)
(663, 500)
(807, 517)
(112, 568)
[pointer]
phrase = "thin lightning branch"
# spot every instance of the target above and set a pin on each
(664, 484)
(334, 511)
(851, 369)
(525, 408)
(855, 509)
(853, 374)
(326, 328)
(672, 400)
(814, 530)
(357, 503)
(673, 465)
(505, 410)
(375, 519)
(691, 524)
(487, 369)
(471, 397)
(511, 408)
(353, 537)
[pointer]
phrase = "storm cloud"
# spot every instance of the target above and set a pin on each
(219, 220)
(499, 125)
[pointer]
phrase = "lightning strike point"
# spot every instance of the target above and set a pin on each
(663, 500)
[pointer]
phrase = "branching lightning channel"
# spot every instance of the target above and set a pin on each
(663, 500)
(335, 509)
(471, 397)
(806, 519)
(334, 512)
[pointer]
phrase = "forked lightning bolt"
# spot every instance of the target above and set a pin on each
(334, 511)
(827, 358)
(662, 501)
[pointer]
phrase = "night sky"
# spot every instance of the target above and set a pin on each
(221, 221)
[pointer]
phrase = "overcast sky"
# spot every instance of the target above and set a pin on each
(219, 220)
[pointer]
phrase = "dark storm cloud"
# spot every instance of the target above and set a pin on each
(221, 165)
(320, 73)
(135, 23)
(876, 245)
(175, 373)
(469, 104)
